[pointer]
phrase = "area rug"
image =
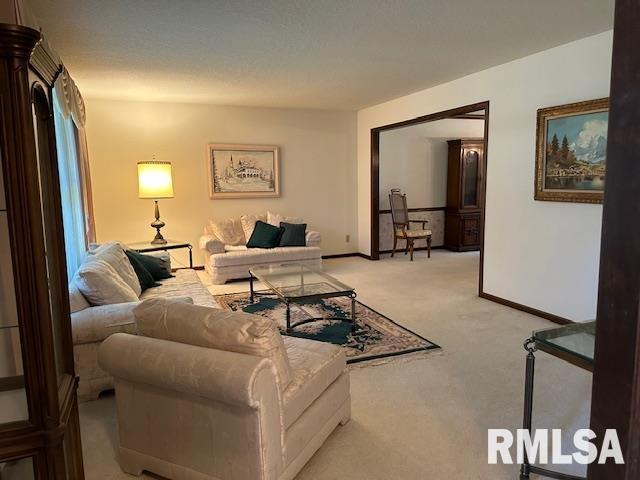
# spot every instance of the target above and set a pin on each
(376, 336)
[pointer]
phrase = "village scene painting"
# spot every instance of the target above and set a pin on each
(237, 171)
(572, 151)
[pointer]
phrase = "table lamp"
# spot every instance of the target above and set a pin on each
(155, 182)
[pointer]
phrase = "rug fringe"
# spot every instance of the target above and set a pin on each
(411, 357)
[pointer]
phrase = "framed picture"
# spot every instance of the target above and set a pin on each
(571, 152)
(243, 171)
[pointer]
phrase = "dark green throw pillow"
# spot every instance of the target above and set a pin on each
(144, 277)
(265, 236)
(294, 234)
(156, 266)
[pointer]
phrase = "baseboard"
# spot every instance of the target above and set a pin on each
(341, 255)
(401, 250)
(368, 257)
(524, 308)
(197, 267)
(346, 255)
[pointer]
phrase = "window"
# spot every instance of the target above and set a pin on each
(73, 211)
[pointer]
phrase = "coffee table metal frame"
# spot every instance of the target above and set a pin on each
(297, 299)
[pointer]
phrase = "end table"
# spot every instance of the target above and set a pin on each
(142, 247)
(573, 343)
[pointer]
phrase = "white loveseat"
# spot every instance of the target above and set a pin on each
(226, 256)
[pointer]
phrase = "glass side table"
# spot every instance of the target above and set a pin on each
(573, 343)
(142, 247)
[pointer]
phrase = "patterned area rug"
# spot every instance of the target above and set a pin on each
(376, 336)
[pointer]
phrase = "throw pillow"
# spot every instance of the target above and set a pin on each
(165, 262)
(275, 219)
(207, 327)
(265, 236)
(113, 254)
(144, 276)
(294, 235)
(248, 223)
(153, 265)
(228, 232)
(101, 285)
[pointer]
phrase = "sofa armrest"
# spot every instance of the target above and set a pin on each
(94, 324)
(228, 377)
(313, 238)
(211, 244)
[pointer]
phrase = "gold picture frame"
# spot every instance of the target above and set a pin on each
(570, 166)
(243, 171)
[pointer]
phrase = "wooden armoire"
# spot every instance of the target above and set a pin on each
(39, 427)
(464, 194)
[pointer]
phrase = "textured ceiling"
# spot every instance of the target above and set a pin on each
(343, 54)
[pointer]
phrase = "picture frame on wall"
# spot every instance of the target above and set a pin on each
(243, 171)
(571, 149)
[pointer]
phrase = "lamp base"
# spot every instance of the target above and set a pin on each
(158, 240)
(158, 224)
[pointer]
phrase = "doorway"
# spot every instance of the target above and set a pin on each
(433, 131)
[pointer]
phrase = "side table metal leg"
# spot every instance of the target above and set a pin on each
(190, 257)
(250, 287)
(529, 346)
(288, 317)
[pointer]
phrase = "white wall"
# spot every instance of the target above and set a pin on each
(317, 154)
(414, 159)
(541, 254)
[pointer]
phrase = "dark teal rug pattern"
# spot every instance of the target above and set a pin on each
(376, 335)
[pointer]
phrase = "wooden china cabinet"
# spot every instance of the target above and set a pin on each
(464, 194)
(39, 428)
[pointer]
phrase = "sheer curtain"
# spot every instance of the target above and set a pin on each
(73, 166)
(70, 189)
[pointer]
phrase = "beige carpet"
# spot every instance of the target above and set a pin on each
(425, 418)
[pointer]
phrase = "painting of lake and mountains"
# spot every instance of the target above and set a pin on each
(576, 148)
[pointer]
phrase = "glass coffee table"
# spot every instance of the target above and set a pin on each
(298, 284)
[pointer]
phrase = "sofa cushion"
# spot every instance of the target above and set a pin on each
(214, 328)
(294, 234)
(101, 285)
(235, 248)
(314, 366)
(265, 236)
(275, 219)
(248, 223)
(184, 283)
(257, 256)
(228, 231)
(113, 254)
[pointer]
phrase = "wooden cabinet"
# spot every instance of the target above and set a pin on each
(39, 426)
(464, 194)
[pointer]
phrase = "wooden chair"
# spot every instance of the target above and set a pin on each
(402, 223)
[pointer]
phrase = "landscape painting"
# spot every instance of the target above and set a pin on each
(243, 171)
(571, 152)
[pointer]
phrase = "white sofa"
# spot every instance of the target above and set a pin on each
(91, 325)
(222, 395)
(231, 259)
